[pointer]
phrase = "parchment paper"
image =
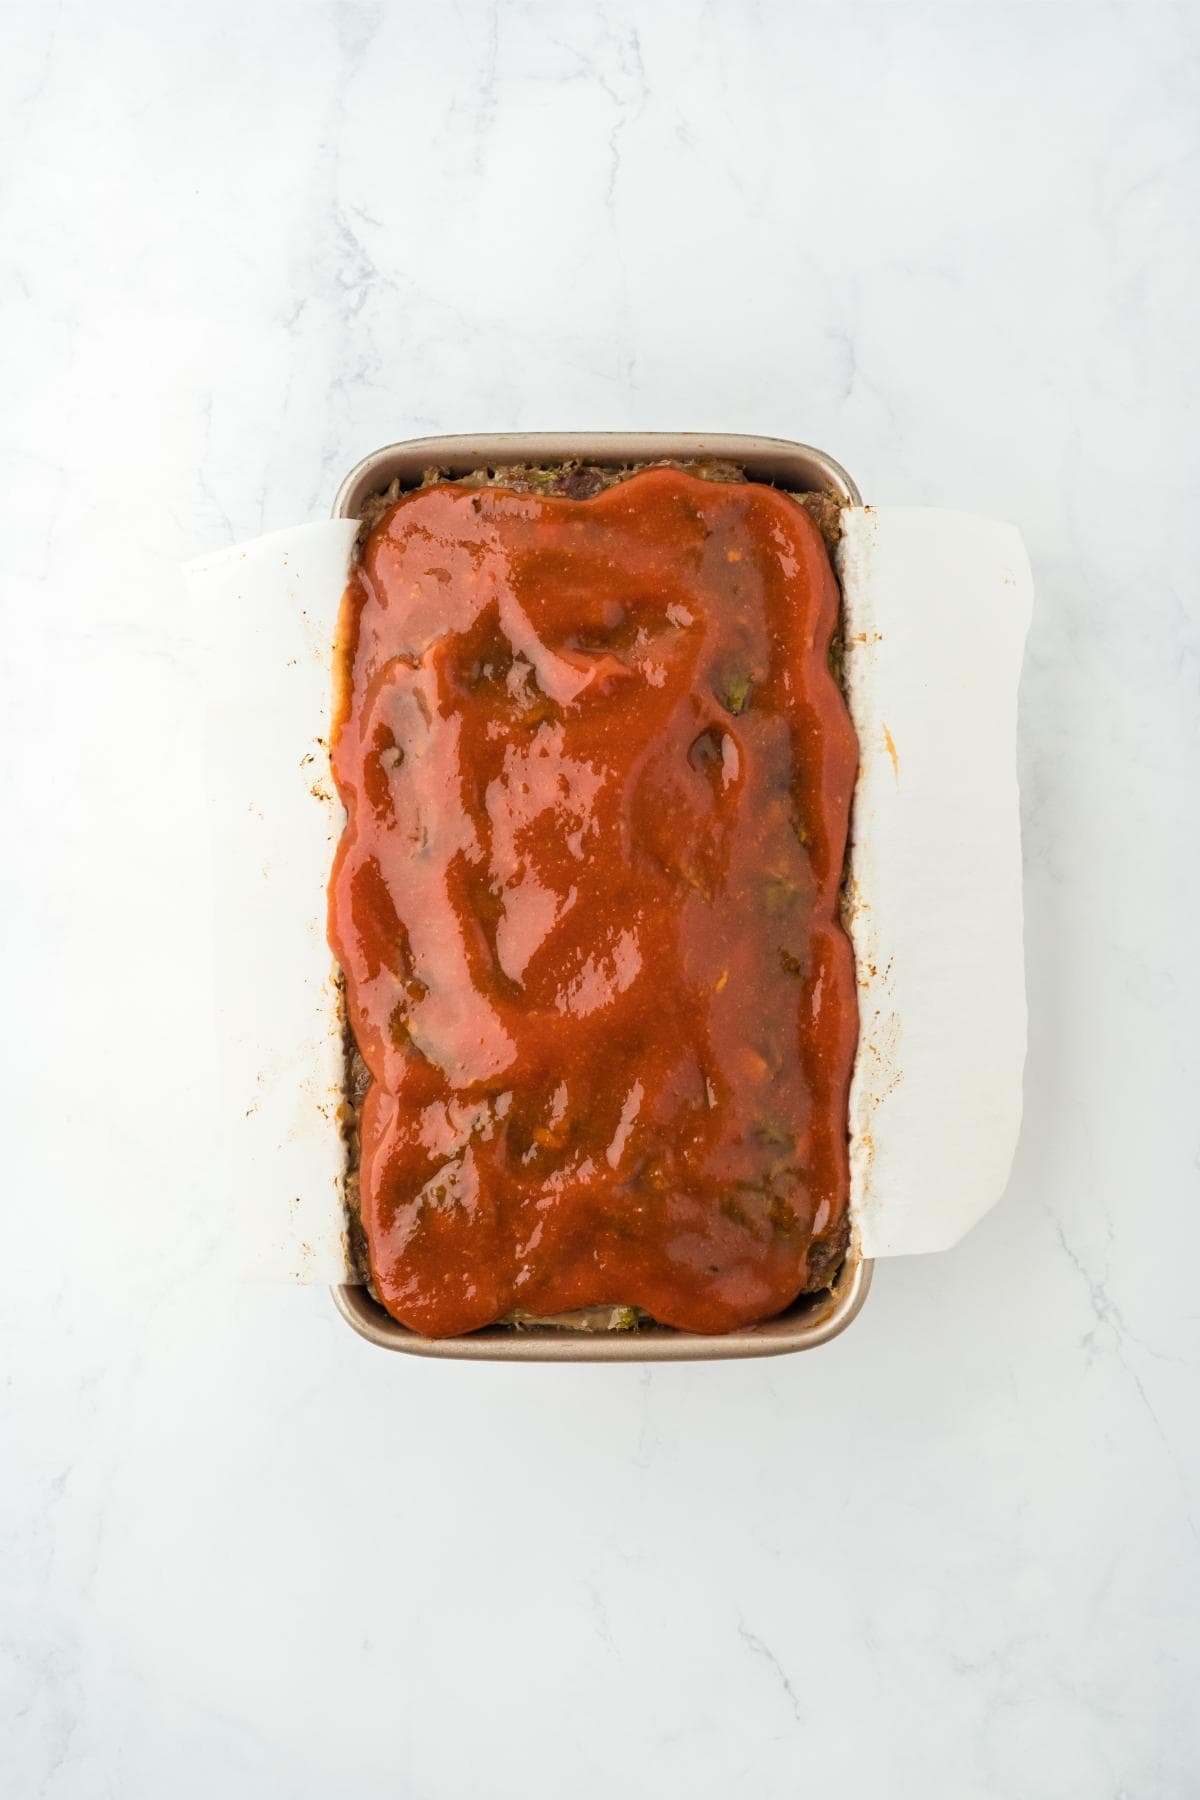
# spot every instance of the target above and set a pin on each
(937, 608)
(265, 613)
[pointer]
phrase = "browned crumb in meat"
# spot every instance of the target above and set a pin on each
(579, 481)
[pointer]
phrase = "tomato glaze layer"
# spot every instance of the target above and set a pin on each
(597, 774)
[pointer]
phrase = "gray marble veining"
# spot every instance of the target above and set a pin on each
(958, 1551)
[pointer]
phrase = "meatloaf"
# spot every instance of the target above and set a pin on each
(597, 772)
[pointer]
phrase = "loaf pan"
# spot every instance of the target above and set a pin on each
(814, 1318)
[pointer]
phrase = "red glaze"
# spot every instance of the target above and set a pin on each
(598, 775)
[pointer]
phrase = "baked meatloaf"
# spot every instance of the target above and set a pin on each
(597, 772)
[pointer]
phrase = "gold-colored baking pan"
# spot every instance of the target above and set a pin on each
(815, 1318)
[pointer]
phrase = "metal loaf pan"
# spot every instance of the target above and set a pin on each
(799, 468)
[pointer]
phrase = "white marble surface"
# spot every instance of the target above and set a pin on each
(244, 1554)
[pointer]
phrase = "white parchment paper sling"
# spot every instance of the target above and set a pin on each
(265, 613)
(937, 608)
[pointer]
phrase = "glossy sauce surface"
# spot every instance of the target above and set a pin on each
(597, 775)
